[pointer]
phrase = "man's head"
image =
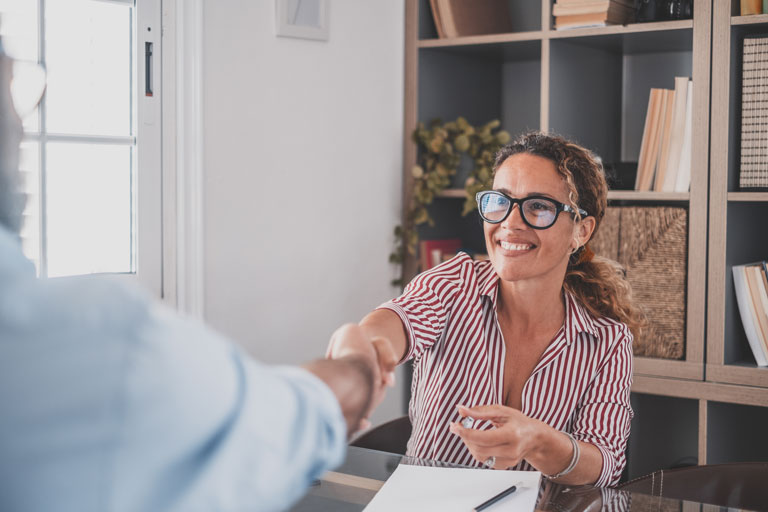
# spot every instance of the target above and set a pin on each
(11, 196)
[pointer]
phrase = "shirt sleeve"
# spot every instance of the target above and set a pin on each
(604, 417)
(205, 427)
(426, 303)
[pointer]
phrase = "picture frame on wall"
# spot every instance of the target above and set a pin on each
(304, 19)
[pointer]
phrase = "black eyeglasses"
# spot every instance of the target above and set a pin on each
(538, 212)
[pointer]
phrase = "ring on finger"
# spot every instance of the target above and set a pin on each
(490, 462)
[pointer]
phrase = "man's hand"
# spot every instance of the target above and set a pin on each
(351, 340)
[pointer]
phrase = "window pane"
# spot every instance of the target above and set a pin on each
(89, 208)
(29, 166)
(88, 56)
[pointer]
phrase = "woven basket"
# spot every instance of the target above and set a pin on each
(651, 243)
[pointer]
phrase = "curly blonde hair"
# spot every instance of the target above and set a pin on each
(598, 283)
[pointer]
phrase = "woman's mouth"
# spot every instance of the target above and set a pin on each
(515, 246)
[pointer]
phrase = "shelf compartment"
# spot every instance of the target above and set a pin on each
(736, 433)
(664, 433)
(500, 88)
(468, 229)
(737, 34)
(599, 89)
(525, 16)
(744, 244)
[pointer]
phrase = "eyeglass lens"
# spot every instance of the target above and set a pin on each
(537, 212)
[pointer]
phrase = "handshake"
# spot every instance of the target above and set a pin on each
(375, 360)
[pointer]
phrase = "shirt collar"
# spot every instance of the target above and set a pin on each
(577, 318)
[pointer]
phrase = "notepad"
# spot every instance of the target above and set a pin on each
(419, 488)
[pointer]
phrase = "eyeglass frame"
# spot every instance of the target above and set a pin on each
(559, 208)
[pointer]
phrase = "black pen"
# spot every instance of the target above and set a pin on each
(498, 497)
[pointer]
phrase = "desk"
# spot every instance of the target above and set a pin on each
(350, 487)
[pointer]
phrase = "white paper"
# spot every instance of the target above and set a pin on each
(420, 488)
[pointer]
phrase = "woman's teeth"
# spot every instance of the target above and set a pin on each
(515, 247)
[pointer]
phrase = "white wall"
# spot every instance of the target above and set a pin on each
(319, 122)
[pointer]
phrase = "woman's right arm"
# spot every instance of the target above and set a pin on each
(382, 328)
(385, 323)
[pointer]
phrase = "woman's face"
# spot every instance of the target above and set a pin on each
(519, 252)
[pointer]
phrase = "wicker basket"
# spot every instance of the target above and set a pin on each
(651, 243)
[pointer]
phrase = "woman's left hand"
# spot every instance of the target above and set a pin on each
(516, 436)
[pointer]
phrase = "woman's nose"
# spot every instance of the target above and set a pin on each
(515, 218)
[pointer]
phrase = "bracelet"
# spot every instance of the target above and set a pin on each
(574, 459)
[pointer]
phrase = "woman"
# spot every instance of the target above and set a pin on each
(534, 344)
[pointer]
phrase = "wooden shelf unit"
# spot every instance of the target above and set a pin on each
(592, 84)
(736, 218)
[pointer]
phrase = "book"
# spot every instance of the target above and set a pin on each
(649, 152)
(431, 251)
(591, 14)
(436, 19)
(683, 182)
(748, 315)
(753, 166)
(676, 134)
(759, 302)
(474, 17)
(665, 137)
(599, 6)
(646, 140)
(749, 7)
(628, 3)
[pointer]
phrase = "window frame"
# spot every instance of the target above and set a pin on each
(146, 139)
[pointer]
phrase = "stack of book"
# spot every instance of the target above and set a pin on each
(664, 164)
(592, 13)
(753, 172)
(459, 18)
(751, 284)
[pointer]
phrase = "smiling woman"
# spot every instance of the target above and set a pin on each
(534, 344)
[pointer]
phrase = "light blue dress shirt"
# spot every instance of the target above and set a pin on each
(109, 401)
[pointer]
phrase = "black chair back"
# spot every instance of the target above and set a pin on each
(740, 485)
(391, 436)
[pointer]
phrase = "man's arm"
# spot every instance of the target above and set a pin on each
(352, 381)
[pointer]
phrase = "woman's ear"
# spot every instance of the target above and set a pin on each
(584, 230)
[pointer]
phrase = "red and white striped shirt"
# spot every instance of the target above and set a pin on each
(580, 385)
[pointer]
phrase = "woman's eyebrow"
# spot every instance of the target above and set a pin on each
(509, 193)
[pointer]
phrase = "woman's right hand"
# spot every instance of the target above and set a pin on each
(351, 340)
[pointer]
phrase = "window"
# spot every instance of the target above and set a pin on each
(91, 156)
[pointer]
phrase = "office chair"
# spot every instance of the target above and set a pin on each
(739, 485)
(391, 436)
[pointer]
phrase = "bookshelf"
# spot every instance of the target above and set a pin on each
(592, 84)
(735, 229)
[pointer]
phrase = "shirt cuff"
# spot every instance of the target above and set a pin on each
(326, 401)
(396, 308)
(606, 474)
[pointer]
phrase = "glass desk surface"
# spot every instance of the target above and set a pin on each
(351, 486)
